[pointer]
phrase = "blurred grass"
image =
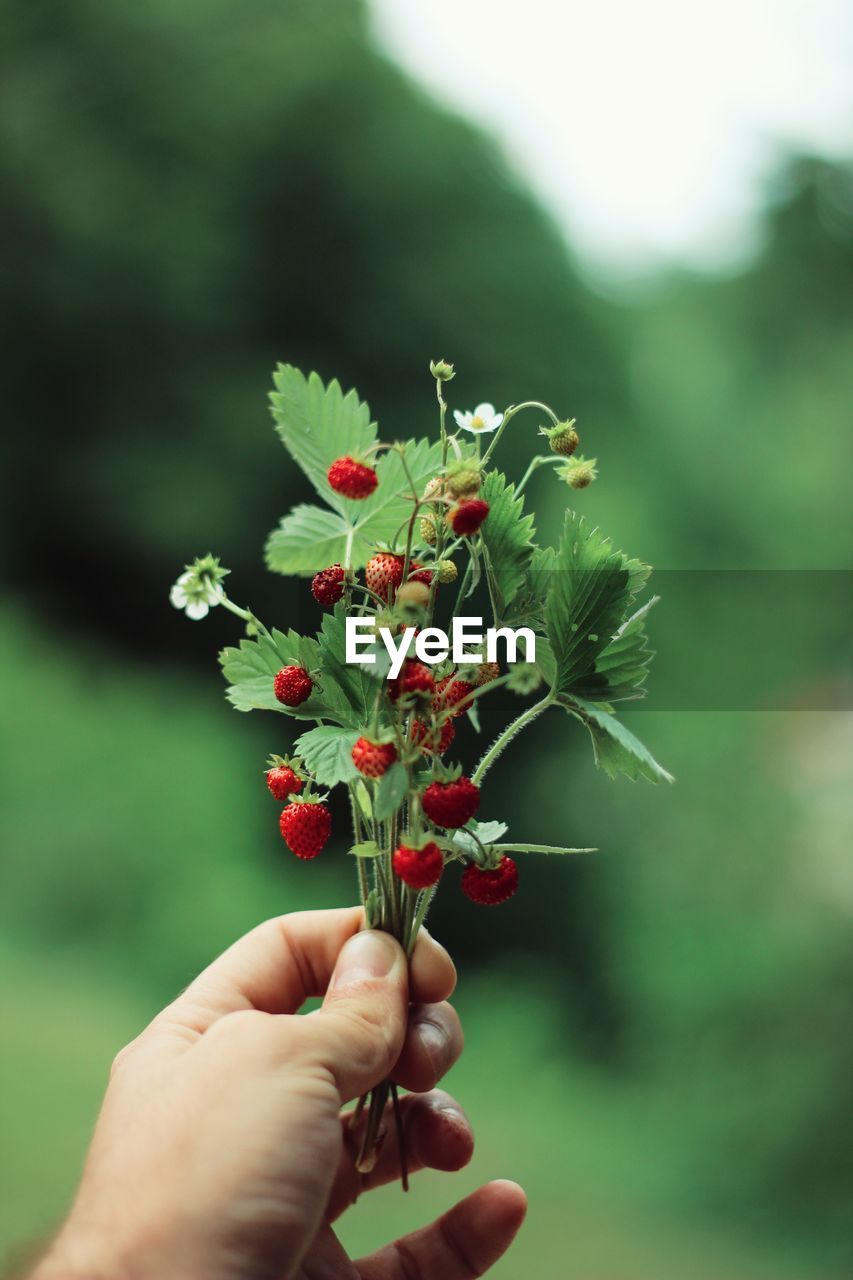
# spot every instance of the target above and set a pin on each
(590, 1156)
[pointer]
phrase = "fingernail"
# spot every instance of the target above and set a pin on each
(368, 955)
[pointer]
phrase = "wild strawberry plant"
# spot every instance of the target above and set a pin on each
(407, 535)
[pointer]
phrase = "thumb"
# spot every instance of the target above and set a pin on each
(359, 1031)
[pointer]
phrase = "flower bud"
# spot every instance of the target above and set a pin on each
(441, 370)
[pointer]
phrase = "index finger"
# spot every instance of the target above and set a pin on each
(286, 960)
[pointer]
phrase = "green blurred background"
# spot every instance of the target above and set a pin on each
(659, 1037)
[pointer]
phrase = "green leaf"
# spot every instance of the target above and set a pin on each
(616, 749)
(508, 538)
(318, 424)
(379, 517)
(367, 849)
(621, 668)
(539, 848)
(528, 606)
(590, 590)
(486, 831)
(251, 666)
(307, 540)
(365, 803)
(391, 792)
(310, 538)
(327, 753)
(352, 684)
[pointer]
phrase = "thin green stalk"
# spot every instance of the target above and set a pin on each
(363, 884)
(540, 460)
(503, 741)
(508, 417)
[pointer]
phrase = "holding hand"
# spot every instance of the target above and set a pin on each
(220, 1151)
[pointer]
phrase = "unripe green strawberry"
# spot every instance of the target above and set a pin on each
(447, 571)
(429, 532)
(434, 488)
(579, 472)
(415, 594)
(463, 482)
(563, 438)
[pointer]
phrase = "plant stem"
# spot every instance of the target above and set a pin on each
(540, 460)
(508, 417)
(526, 717)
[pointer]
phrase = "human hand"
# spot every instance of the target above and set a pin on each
(220, 1151)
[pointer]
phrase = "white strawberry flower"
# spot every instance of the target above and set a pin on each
(199, 589)
(481, 421)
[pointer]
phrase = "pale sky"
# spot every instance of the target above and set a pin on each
(647, 126)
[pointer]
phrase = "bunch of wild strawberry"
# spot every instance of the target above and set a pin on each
(411, 534)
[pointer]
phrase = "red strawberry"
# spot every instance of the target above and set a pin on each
(282, 781)
(327, 586)
(352, 479)
(466, 516)
(490, 888)
(415, 678)
(435, 741)
(418, 868)
(373, 758)
(453, 696)
(384, 573)
(451, 804)
(305, 826)
(420, 575)
(292, 686)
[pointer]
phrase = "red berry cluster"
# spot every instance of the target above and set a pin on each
(306, 823)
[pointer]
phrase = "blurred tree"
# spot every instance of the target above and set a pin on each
(192, 192)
